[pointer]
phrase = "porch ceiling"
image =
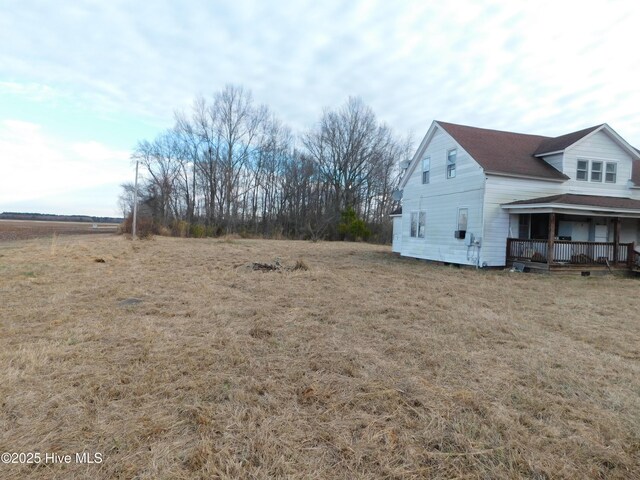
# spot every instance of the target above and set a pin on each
(572, 204)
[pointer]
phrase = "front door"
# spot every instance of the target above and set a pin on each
(580, 232)
(601, 233)
(540, 226)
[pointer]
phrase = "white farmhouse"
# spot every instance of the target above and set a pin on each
(482, 197)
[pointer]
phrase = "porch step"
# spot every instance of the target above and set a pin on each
(538, 267)
(526, 266)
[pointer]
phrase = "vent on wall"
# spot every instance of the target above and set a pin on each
(460, 234)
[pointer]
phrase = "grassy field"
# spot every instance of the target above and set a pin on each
(174, 359)
(26, 229)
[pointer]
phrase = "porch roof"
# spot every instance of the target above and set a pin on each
(574, 204)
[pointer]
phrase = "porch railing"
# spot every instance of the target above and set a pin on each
(568, 252)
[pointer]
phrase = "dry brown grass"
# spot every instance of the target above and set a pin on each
(362, 366)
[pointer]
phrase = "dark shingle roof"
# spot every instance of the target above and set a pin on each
(503, 152)
(397, 211)
(560, 143)
(583, 200)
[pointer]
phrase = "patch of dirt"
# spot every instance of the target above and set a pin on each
(276, 266)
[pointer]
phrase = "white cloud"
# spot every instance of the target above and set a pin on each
(38, 166)
(542, 67)
(32, 91)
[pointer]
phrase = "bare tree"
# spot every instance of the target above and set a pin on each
(191, 144)
(232, 166)
(160, 159)
(353, 153)
(126, 198)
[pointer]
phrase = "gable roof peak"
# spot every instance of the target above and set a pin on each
(559, 144)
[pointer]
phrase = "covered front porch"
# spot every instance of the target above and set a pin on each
(569, 255)
(574, 232)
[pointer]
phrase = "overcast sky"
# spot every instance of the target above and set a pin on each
(82, 81)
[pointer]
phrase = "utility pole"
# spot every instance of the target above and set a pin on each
(135, 205)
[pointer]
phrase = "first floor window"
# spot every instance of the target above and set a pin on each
(463, 216)
(610, 173)
(583, 170)
(418, 224)
(596, 171)
(451, 163)
(426, 167)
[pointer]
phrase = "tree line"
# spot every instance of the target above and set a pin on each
(231, 166)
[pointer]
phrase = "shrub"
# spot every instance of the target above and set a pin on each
(351, 227)
(197, 231)
(300, 265)
(180, 228)
(145, 226)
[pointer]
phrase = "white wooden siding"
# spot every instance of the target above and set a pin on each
(629, 229)
(396, 243)
(600, 147)
(514, 226)
(556, 161)
(440, 199)
(500, 190)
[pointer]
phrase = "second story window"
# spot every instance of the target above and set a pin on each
(610, 173)
(607, 171)
(426, 167)
(596, 171)
(451, 163)
(583, 170)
